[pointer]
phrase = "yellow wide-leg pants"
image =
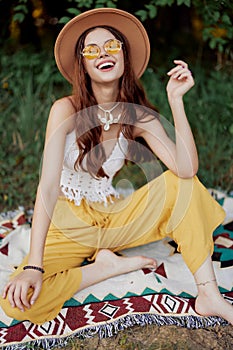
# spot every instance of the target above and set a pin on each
(170, 206)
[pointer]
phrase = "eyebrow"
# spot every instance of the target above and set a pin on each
(91, 44)
(103, 43)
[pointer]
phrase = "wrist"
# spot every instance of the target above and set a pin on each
(35, 259)
(33, 267)
(38, 263)
(175, 100)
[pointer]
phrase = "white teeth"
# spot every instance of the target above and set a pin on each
(106, 65)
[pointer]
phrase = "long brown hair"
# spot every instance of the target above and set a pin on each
(88, 132)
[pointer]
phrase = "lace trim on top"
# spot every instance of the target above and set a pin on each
(78, 185)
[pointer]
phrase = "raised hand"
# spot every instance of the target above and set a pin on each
(181, 80)
(17, 289)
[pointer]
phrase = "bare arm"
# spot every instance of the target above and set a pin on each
(59, 124)
(180, 157)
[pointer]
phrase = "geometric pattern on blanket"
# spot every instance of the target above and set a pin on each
(165, 296)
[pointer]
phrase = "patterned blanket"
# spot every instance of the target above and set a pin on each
(163, 297)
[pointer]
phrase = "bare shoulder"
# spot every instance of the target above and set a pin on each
(62, 112)
(148, 123)
(65, 104)
(63, 107)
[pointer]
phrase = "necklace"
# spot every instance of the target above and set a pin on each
(108, 119)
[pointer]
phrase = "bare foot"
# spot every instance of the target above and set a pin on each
(114, 265)
(215, 305)
(107, 265)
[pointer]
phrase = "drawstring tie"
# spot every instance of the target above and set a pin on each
(99, 220)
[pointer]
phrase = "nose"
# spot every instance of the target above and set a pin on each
(103, 53)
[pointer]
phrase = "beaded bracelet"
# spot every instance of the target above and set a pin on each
(29, 267)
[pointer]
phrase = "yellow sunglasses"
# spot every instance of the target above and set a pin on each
(92, 51)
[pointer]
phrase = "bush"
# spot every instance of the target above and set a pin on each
(29, 84)
(210, 107)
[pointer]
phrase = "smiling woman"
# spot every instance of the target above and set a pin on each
(90, 135)
(108, 56)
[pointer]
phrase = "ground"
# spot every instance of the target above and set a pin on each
(160, 338)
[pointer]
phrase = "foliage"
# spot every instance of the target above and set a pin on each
(210, 107)
(29, 83)
(216, 16)
(78, 5)
(20, 10)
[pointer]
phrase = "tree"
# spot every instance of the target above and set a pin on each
(212, 19)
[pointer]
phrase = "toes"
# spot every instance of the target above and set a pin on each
(150, 261)
(136, 262)
(147, 262)
(152, 264)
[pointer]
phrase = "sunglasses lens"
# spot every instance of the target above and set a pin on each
(112, 46)
(91, 52)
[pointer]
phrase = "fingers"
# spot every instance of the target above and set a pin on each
(181, 63)
(17, 295)
(35, 294)
(180, 71)
(11, 295)
(17, 290)
(5, 290)
(23, 296)
(182, 74)
(17, 298)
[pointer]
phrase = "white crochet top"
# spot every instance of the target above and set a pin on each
(79, 184)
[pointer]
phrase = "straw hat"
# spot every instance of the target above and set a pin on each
(121, 20)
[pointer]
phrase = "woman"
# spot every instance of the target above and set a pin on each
(78, 214)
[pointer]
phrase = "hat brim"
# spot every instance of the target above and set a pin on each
(121, 20)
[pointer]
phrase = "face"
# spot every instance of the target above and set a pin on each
(107, 67)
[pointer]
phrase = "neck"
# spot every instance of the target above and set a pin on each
(105, 93)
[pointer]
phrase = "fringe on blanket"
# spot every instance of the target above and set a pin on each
(110, 329)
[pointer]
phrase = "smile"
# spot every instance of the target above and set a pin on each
(107, 65)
